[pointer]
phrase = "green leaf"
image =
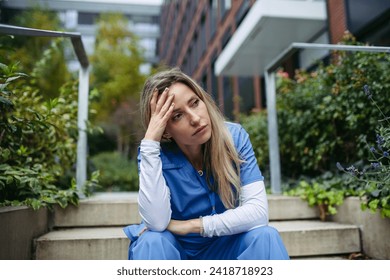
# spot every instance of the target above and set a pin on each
(7, 102)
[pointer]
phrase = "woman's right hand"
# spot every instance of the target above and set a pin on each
(161, 108)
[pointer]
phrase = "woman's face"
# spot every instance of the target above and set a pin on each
(189, 123)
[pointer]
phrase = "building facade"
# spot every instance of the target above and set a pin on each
(193, 35)
(81, 15)
(368, 21)
(227, 44)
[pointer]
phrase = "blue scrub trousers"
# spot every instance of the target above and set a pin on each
(263, 243)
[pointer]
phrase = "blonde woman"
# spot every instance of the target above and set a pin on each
(201, 193)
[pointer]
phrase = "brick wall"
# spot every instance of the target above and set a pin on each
(336, 19)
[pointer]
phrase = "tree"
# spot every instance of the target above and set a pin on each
(116, 75)
(42, 57)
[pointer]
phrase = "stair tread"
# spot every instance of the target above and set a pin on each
(304, 225)
(121, 208)
(111, 197)
(118, 197)
(84, 233)
(117, 232)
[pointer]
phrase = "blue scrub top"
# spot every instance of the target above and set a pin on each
(190, 193)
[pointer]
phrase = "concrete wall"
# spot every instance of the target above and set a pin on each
(18, 228)
(374, 229)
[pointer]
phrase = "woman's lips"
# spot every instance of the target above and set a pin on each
(200, 129)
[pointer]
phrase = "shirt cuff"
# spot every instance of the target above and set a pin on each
(252, 213)
(150, 146)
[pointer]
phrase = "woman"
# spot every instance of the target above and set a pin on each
(201, 193)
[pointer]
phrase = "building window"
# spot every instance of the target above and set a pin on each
(87, 18)
(369, 21)
(214, 80)
(213, 17)
(226, 36)
(228, 98)
(204, 80)
(203, 43)
(246, 90)
(225, 6)
(244, 8)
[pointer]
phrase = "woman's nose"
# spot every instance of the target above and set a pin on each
(194, 119)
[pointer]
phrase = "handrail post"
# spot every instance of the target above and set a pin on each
(82, 118)
(273, 139)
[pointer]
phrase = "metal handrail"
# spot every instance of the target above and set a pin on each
(269, 75)
(75, 38)
(82, 117)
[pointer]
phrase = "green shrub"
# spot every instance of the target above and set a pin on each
(38, 143)
(373, 175)
(325, 192)
(323, 116)
(117, 173)
(256, 126)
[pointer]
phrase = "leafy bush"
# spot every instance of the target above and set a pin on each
(257, 128)
(38, 143)
(117, 173)
(374, 177)
(324, 118)
(323, 115)
(326, 192)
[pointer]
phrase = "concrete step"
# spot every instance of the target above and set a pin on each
(317, 238)
(103, 243)
(118, 209)
(302, 239)
(102, 209)
(282, 208)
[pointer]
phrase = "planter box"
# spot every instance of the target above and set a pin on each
(19, 227)
(374, 229)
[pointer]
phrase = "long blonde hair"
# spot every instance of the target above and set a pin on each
(219, 154)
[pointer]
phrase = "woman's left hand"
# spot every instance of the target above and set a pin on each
(184, 227)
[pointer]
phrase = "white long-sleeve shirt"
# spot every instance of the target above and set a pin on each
(155, 207)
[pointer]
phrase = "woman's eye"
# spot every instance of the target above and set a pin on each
(196, 102)
(176, 117)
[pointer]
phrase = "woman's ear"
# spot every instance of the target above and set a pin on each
(166, 135)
